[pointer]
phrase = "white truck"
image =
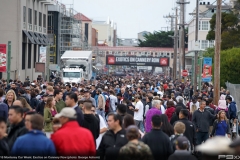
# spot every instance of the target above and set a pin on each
(76, 66)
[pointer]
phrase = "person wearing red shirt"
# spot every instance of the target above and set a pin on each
(170, 110)
(71, 139)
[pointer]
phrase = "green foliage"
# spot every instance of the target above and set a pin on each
(229, 65)
(157, 39)
(230, 30)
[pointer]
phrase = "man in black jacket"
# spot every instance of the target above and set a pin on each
(17, 127)
(190, 128)
(41, 105)
(113, 139)
(71, 101)
(90, 121)
(158, 141)
(201, 119)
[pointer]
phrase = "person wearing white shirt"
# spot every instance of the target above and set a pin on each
(113, 101)
(162, 108)
(194, 101)
(102, 126)
(138, 113)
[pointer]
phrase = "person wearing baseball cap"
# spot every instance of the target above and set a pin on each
(69, 134)
(181, 152)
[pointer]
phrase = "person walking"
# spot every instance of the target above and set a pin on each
(134, 149)
(201, 119)
(221, 126)
(17, 128)
(90, 121)
(49, 113)
(190, 131)
(155, 110)
(138, 112)
(100, 103)
(80, 139)
(113, 139)
(170, 109)
(33, 143)
(60, 104)
(166, 126)
(71, 101)
(181, 152)
(157, 140)
(4, 148)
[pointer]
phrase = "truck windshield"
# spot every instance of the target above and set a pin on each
(72, 74)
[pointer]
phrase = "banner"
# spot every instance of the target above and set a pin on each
(3, 58)
(137, 61)
(42, 54)
(207, 69)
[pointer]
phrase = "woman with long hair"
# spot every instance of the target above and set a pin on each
(166, 126)
(49, 112)
(192, 110)
(128, 121)
(170, 110)
(221, 125)
(10, 98)
(26, 106)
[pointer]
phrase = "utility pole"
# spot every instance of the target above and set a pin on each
(175, 46)
(171, 20)
(9, 61)
(196, 52)
(182, 4)
(217, 53)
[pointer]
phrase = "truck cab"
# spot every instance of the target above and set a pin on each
(70, 75)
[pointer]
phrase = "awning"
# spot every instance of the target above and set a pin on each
(29, 37)
(34, 37)
(40, 38)
(46, 38)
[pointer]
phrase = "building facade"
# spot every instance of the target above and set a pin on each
(24, 23)
(106, 32)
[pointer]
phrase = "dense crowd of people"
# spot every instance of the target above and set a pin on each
(138, 116)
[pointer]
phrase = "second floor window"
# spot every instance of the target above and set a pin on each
(44, 21)
(35, 18)
(29, 16)
(24, 13)
(40, 19)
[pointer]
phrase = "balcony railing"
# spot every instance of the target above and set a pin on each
(24, 25)
(44, 30)
(35, 28)
(40, 29)
(29, 26)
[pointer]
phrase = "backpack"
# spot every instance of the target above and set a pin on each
(107, 103)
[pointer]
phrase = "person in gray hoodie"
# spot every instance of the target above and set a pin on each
(202, 119)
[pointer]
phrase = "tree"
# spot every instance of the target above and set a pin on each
(229, 65)
(230, 30)
(157, 39)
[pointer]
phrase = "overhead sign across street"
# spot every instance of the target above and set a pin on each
(137, 61)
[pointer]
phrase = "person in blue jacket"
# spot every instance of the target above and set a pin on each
(33, 143)
(232, 109)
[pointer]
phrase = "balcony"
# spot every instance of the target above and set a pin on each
(35, 28)
(24, 26)
(48, 2)
(29, 26)
(40, 29)
(44, 30)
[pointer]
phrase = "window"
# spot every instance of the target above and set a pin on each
(35, 18)
(44, 21)
(23, 55)
(86, 30)
(24, 13)
(34, 55)
(29, 55)
(204, 44)
(40, 19)
(211, 44)
(168, 54)
(199, 25)
(205, 25)
(29, 16)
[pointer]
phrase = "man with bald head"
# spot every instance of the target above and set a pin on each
(18, 103)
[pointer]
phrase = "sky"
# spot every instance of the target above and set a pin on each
(131, 16)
